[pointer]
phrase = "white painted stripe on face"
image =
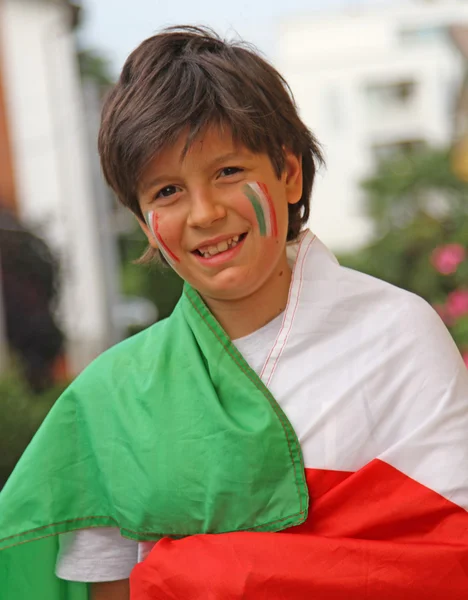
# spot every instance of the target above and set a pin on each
(265, 206)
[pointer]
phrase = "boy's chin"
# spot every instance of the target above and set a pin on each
(226, 286)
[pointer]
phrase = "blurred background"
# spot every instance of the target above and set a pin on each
(382, 84)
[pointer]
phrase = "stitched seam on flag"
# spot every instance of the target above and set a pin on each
(273, 368)
(286, 337)
(282, 324)
(140, 532)
(273, 405)
(58, 523)
(267, 395)
(301, 281)
(45, 527)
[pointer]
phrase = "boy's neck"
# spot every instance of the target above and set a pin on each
(246, 315)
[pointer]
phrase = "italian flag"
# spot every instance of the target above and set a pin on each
(172, 438)
(376, 534)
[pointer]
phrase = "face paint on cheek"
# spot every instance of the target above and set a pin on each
(261, 201)
(152, 220)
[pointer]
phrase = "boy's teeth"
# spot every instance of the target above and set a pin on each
(221, 247)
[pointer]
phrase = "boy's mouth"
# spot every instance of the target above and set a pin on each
(207, 251)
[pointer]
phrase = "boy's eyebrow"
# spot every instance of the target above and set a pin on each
(223, 158)
(217, 161)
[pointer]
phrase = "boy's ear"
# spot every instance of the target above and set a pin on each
(149, 234)
(292, 177)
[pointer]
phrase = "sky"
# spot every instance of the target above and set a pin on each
(116, 27)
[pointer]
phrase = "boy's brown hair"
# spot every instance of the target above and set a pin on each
(186, 79)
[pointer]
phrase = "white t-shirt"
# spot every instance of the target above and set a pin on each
(102, 554)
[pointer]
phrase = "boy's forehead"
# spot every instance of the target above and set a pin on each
(211, 140)
(210, 145)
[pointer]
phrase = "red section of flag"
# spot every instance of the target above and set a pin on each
(372, 535)
(274, 224)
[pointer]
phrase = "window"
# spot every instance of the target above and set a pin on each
(383, 152)
(390, 96)
(423, 35)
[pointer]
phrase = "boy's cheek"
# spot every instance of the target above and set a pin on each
(257, 200)
(162, 235)
(244, 208)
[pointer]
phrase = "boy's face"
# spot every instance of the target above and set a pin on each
(220, 215)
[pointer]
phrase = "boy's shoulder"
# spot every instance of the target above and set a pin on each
(387, 306)
(386, 295)
(346, 292)
(132, 355)
(391, 330)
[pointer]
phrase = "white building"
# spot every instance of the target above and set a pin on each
(52, 182)
(369, 82)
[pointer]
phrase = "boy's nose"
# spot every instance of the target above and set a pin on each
(205, 210)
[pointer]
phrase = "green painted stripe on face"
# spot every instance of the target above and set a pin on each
(252, 196)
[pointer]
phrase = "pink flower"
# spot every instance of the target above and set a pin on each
(457, 304)
(441, 310)
(447, 258)
(465, 358)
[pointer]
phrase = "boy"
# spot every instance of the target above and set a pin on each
(280, 377)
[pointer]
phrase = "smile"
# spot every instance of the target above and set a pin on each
(216, 255)
(223, 246)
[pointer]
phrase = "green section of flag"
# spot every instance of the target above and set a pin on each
(169, 433)
(27, 572)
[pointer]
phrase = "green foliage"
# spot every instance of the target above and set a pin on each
(30, 275)
(22, 412)
(406, 186)
(459, 332)
(419, 208)
(95, 67)
(403, 256)
(157, 282)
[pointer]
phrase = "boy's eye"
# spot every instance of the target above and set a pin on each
(227, 171)
(167, 191)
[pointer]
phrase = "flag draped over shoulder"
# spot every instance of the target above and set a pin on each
(362, 404)
(378, 396)
(169, 433)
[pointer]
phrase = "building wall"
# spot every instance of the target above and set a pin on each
(368, 83)
(51, 152)
(7, 177)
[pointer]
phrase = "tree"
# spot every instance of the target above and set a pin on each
(95, 67)
(407, 186)
(157, 282)
(419, 209)
(30, 276)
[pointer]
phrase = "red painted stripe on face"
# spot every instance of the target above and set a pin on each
(274, 224)
(162, 243)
